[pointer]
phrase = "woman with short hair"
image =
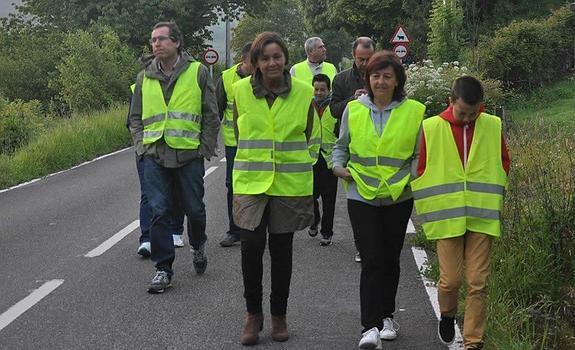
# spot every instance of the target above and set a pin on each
(374, 154)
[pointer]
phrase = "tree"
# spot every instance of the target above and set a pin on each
(374, 18)
(337, 43)
(96, 69)
(133, 19)
(29, 57)
(283, 17)
(445, 24)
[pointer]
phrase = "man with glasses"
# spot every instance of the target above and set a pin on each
(174, 115)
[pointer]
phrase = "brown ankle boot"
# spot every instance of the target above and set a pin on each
(254, 324)
(279, 328)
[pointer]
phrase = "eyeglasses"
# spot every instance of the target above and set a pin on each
(159, 38)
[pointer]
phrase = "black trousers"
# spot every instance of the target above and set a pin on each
(379, 233)
(324, 186)
(281, 249)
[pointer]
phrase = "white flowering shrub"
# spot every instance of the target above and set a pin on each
(430, 85)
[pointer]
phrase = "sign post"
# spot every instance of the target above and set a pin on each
(211, 57)
(400, 41)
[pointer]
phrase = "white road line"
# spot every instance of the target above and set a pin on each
(62, 171)
(23, 305)
(210, 170)
(410, 227)
(223, 160)
(109, 243)
(421, 260)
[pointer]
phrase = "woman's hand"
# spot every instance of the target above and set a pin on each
(342, 173)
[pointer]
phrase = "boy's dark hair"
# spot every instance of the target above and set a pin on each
(246, 50)
(384, 59)
(261, 41)
(322, 78)
(467, 88)
(175, 33)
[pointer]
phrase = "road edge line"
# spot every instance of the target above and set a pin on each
(420, 257)
(63, 171)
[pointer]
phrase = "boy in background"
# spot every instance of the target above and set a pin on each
(324, 182)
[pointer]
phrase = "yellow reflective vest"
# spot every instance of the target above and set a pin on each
(179, 122)
(273, 155)
(381, 165)
(229, 77)
(328, 136)
(303, 72)
(451, 199)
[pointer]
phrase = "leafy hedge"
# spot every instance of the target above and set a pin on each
(528, 53)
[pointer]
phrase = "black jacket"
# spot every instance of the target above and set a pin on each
(344, 85)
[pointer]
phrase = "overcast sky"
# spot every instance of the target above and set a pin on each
(6, 7)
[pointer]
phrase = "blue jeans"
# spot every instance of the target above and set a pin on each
(177, 221)
(230, 156)
(162, 186)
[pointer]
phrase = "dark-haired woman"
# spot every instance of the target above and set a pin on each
(374, 154)
(272, 177)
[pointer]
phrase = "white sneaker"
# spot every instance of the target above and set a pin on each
(370, 339)
(178, 241)
(357, 258)
(145, 249)
(390, 328)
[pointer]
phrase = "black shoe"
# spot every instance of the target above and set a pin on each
(200, 260)
(230, 240)
(446, 330)
(325, 240)
(160, 282)
(313, 231)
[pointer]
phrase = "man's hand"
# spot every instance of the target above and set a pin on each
(342, 173)
(359, 92)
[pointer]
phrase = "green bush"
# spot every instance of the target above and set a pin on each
(96, 70)
(529, 52)
(533, 271)
(19, 122)
(430, 85)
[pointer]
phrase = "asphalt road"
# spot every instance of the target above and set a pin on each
(47, 228)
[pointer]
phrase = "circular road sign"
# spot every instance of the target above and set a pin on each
(400, 50)
(211, 56)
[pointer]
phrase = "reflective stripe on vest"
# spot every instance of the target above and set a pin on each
(380, 165)
(302, 71)
(451, 200)
(328, 137)
(273, 155)
(178, 122)
(229, 77)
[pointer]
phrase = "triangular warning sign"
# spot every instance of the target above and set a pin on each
(400, 36)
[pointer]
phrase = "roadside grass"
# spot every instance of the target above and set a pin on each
(553, 103)
(531, 296)
(65, 143)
